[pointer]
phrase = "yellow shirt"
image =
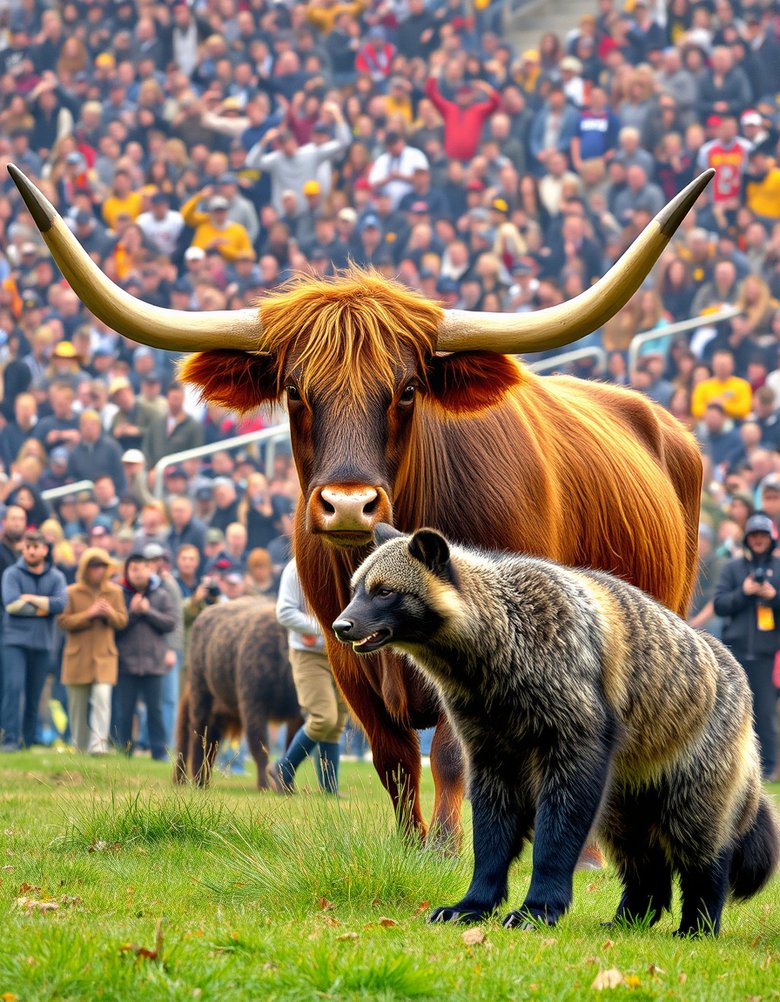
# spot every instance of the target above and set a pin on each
(325, 17)
(233, 236)
(763, 197)
(114, 206)
(734, 393)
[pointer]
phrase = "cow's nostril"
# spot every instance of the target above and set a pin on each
(327, 506)
(371, 506)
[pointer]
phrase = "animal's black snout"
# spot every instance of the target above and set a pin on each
(343, 628)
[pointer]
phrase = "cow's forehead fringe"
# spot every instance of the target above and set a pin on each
(348, 334)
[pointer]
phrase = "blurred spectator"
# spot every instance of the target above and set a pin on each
(142, 646)
(174, 432)
(33, 593)
(94, 610)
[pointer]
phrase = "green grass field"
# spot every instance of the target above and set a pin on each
(300, 898)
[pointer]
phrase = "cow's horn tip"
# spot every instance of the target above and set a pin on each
(679, 207)
(39, 206)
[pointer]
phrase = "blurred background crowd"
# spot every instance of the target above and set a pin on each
(202, 152)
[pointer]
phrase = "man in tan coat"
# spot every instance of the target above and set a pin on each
(95, 610)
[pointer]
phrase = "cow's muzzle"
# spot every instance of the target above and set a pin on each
(346, 514)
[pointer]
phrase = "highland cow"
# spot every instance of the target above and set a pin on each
(402, 411)
(239, 681)
(580, 702)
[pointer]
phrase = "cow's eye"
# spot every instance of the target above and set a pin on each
(292, 392)
(407, 394)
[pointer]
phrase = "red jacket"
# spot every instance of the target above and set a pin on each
(462, 126)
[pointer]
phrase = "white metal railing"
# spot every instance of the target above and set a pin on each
(270, 436)
(59, 492)
(547, 364)
(672, 330)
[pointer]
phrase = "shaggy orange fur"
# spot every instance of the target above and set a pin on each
(490, 454)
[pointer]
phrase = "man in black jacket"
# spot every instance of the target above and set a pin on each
(748, 599)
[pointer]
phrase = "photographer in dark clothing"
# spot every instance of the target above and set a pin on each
(748, 599)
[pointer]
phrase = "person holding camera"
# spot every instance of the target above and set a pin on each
(748, 598)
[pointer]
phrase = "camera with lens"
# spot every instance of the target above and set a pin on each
(759, 575)
(212, 590)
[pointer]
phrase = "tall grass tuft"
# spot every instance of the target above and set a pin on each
(347, 856)
(147, 819)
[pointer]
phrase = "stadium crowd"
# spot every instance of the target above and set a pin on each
(203, 152)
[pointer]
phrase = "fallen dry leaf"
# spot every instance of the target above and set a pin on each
(35, 905)
(473, 937)
(386, 922)
(610, 978)
(324, 904)
(682, 977)
(347, 935)
(607, 944)
(8, 997)
(29, 889)
(330, 920)
(145, 952)
(655, 970)
(422, 907)
(592, 888)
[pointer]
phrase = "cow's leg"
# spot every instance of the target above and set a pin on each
(182, 737)
(256, 731)
(395, 749)
(447, 766)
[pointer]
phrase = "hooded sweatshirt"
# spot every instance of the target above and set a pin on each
(35, 632)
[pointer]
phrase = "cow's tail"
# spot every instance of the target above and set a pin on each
(182, 736)
(757, 853)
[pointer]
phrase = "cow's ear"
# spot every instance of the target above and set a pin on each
(384, 532)
(234, 380)
(472, 380)
(430, 548)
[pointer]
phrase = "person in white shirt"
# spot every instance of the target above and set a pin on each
(162, 226)
(318, 694)
(392, 172)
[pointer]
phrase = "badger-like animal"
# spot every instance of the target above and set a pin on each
(239, 680)
(581, 703)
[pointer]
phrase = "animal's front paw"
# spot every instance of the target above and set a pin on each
(457, 913)
(527, 919)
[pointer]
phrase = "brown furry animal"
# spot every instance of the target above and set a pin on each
(240, 679)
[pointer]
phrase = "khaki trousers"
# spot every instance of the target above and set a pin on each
(89, 708)
(318, 694)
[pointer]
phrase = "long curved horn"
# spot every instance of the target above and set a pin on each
(514, 333)
(173, 330)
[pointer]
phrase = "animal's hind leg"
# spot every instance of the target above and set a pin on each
(257, 739)
(645, 871)
(502, 820)
(448, 778)
(704, 890)
(572, 789)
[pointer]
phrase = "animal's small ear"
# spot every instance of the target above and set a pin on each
(383, 532)
(234, 380)
(430, 548)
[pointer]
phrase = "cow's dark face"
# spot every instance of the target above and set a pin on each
(349, 450)
(354, 428)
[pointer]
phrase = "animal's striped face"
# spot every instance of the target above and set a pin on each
(396, 593)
